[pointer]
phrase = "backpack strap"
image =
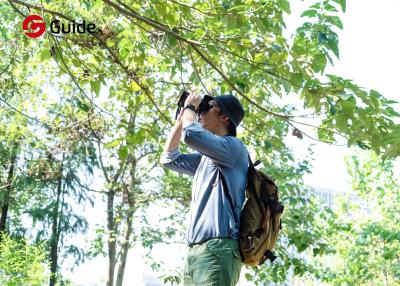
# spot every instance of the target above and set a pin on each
(225, 187)
(251, 165)
(228, 196)
(250, 162)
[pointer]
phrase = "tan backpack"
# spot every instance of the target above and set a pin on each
(260, 221)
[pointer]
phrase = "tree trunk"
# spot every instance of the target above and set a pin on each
(7, 193)
(55, 231)
(111, 237)
(124, 248)
(130, 201)
(111, 224)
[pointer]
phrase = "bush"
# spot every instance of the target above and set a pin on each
(21, 263)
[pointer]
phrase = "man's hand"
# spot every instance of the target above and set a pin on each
(179, 118)
(193, 99)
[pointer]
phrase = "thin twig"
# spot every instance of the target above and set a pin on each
(16, 9)
(6, 68)
(25, 115)
(312, 138)
(197, 72)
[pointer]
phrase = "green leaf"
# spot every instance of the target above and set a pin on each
(83, 105)
(3, 33)
(134, 86)
(301, 247)
(76, 62)
(123, 152)
(333, 46)
(44, 55)
(335, 20)
(309, 13)
(284, 5)
(124, 53)
(391, 112)
(113, 143)
(348, 108)
(341, 122)
(391, 102)
(316, 6)
(297, 78)
(172, 19)
(316, 251)
(342, 4)
(95, 87)
(330, 8)
(319, 63)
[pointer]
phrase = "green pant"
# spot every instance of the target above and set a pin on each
(215, 262)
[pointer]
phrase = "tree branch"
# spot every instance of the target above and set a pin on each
(16, 9)
(102, 164)
(78, 181)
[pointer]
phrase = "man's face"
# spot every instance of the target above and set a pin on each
(212, 118)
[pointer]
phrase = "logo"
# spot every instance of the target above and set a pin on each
(37, 28)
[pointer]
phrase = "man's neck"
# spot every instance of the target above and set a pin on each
(221, 132)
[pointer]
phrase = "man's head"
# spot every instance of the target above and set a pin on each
(223, 115)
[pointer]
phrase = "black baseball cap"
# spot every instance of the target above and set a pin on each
(231, 107)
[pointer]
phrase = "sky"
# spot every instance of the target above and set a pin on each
(369, 54)
(369, 48)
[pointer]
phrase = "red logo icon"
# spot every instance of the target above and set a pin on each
(36, 28)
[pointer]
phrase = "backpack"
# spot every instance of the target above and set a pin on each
(260, 221)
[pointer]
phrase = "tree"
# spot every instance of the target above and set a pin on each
(367, 251)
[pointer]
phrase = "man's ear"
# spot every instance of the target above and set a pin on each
(225, 118)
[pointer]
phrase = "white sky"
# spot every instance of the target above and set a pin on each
(369, 54)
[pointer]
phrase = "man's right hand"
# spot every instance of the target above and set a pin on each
(179, 118)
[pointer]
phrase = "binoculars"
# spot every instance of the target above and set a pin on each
(203, 106)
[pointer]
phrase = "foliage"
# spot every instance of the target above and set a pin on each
(21, 263)
(368, 251)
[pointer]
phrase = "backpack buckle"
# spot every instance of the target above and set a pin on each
(268, 255)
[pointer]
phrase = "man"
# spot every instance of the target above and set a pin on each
(219, 168)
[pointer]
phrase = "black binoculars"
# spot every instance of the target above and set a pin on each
(203, 106)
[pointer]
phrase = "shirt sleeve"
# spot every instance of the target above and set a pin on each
(182, 163)
(223, 149)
